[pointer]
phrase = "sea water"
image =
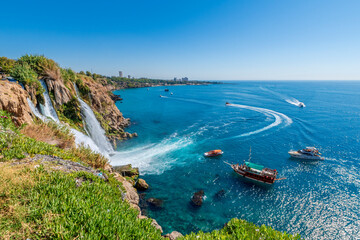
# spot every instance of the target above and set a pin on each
(318, 199)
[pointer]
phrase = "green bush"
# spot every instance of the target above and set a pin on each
(29, 78)
(68, 75)
(38, 63)
(6, 64)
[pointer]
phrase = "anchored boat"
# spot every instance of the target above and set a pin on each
(310, 153)
(255, 172)
(213, 153)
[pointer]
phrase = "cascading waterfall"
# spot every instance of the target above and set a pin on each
(48, 109)
(93, 126)
(49, 113)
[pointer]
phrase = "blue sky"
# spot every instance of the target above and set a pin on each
(200, 39)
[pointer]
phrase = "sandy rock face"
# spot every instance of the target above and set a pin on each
(13, 100)
(56, 84)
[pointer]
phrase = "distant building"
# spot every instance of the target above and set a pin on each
(120, 74)
(185, 79)
(175, 79)
(129, 76)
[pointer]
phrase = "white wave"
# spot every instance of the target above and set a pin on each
(279, 118)
(150, 158)
(82, 139)
(290, 100)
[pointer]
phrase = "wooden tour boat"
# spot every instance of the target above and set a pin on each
(255, 172)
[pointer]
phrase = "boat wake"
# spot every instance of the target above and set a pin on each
(279, 118)
(290, 100)
(154, 158)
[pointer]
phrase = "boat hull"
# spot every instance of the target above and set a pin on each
(213, 155)
(295, 154)
(255, 177)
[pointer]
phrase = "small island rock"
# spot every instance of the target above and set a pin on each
(141, 184)
(197, 198)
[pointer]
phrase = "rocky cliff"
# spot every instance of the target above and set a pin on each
(114, 122)
(13, 100)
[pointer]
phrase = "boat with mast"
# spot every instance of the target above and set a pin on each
(255, 172)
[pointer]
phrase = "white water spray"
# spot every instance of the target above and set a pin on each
(93, 126)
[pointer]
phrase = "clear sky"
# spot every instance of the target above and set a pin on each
(200, 39)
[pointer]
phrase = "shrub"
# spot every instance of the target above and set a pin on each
(38, 63)
(28, 77)
(7, 64)
(68, 75)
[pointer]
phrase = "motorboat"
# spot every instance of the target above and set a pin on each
(301, 104)
(171, 93)
(161, 96)
(213, 153)
(166, 90)
(227, 103)
(310, 153)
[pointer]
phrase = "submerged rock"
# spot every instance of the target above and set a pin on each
(220, 194)
(154, 202)
(197, 198)
(141, 185)
(173, 235)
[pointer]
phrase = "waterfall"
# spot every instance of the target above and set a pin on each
(48, 109)
(35, 110)
(93, 126)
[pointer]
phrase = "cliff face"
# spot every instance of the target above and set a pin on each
(13, 100)
(103, 104)
(56, 85)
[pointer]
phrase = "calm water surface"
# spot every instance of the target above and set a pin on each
(319, 200)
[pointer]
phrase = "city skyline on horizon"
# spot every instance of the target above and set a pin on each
(203, 40)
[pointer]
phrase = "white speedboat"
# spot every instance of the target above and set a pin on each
(310, 153)
(301, 104)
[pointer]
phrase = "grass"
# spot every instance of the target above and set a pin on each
(37, 204)
(51, 133)
(238, 229)
(15, 145)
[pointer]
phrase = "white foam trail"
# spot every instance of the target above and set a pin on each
(279, 118)
(150, 158)
(48, 109)
(93, 126)
(290, 100)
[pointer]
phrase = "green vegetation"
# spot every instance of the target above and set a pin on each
(70, 113)
(6, 64)
(240, 229)
(38, 204)
(39, 63)
(68, 75)
(29, 78)
(14, 145)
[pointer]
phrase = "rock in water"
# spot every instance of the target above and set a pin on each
(127, 170)
(141, 185)
(197, 198)
(154, 202)
(220, 194)
(173, 235)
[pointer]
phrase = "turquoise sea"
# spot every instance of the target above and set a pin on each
(318, 199)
